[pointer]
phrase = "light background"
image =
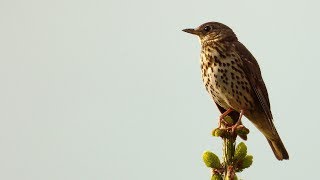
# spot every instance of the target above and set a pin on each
(111, 90)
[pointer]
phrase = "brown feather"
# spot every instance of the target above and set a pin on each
(252, 71)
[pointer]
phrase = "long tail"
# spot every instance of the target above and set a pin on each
(278, 149)
(270, 132)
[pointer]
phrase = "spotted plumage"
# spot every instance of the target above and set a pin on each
(221, 81)
(232, 77)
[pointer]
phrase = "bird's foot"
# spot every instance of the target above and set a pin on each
(238, 124)
(222, 120)
(234, 127)
(227, 127)
(223, 123)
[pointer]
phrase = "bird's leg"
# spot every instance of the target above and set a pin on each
(221, 118)
(238, 123)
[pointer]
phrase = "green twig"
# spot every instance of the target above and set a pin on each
(229, 144)
(235, 158)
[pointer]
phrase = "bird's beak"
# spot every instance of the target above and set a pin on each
(191, 31)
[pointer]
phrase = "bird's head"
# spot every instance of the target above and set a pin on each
(213, 31)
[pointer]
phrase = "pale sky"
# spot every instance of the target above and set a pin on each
(111, 90)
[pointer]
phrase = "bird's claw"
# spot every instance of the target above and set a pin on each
(232, 128)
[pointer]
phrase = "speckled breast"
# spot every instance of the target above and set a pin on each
(224, 78)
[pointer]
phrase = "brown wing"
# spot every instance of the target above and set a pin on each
(252, 71)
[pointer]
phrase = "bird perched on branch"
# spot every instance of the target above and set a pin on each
(233, 78)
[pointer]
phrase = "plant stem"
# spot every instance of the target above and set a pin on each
(229, 145)
(228, 149)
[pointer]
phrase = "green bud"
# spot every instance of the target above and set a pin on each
(234, 178)
(211, 160)
(241, 130)
(216, 177)
(218, 132)
(244, 137)
(228, 119)
(241, 151)
(247, 161)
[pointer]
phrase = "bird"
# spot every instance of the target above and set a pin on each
(232, 77)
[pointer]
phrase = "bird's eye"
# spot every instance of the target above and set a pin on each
(207, 28)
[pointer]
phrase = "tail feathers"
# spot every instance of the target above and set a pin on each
(278, 149)
(274, 140)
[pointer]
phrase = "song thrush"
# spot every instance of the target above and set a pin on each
(232, 77)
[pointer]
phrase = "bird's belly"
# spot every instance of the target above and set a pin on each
(229, 88)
